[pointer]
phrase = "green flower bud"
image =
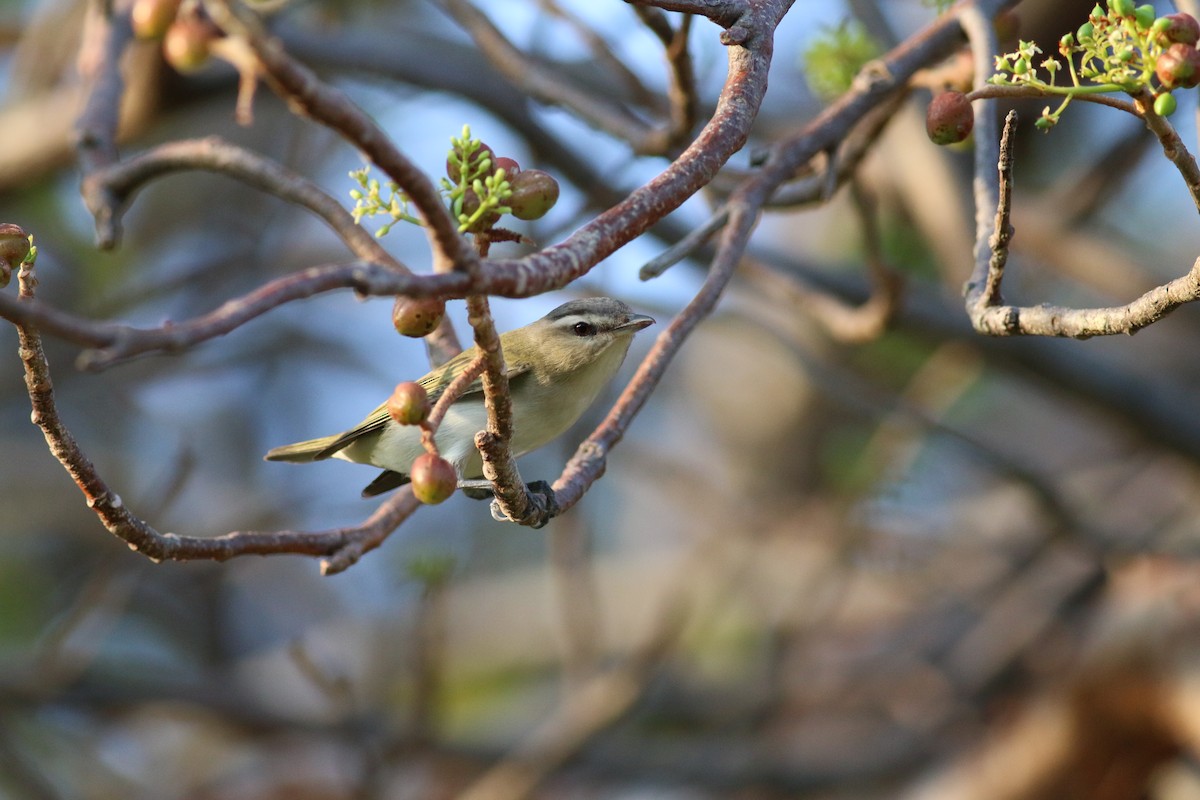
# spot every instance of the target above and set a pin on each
(1122, 8)
(1165, 104)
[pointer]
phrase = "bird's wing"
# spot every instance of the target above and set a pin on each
(434, 383)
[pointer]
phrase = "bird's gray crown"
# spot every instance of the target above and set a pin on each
(592, 306)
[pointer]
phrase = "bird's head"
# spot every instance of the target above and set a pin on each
(578, 333)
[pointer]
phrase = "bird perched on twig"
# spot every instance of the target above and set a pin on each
(557, 366)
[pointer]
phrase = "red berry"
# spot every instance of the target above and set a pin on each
(949, 118)
(509, 165)
(1179, 67)
(433, 479)
(409, 403)
(1178, 28)
(534, 193)
(470, 205)
(417, 316)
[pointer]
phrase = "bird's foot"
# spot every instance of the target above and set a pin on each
(545, 506)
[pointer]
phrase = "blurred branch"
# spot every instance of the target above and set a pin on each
(682, 90)
(549, 86)
(96, 127)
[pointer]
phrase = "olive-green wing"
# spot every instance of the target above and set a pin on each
(435, 384)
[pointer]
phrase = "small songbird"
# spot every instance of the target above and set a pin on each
(556, 368)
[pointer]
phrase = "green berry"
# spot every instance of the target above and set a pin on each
(1145, 16)
(533, 194)
(1165, 104)
(1086, 32)
(1121, 8)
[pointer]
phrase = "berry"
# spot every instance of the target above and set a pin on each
(1179, 67)
(950, 118)
(433, 479)
(1177, 28)
(417, 316)
(1165, 104)
(14, 247)
(470, 204)
(509, 165)
(534, 193)
(151, 18)
(409, 403)
(1144, 15)
(453, 169)
(186, 43)
(1122, 8)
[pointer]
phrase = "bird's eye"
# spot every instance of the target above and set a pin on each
(584, 329)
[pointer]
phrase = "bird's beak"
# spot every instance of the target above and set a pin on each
(636, 322)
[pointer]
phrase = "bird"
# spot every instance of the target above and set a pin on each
(557, 366)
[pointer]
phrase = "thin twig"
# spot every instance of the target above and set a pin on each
(331, 107)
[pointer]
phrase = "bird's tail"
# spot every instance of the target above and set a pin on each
(303, 452)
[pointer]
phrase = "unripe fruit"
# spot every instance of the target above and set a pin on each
(1177, 28)
(509, 165)
(417, 316)
(1122, 8)
(186, 43)
(470, 205)
(949, 118)
(534, 193)
(409, 403)
(151, 18)
(454, 172)
(1144, 15)
(1165, 104)
(1179, 67)
(433, 479)
(14, 247)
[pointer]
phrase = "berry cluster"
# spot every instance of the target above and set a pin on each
(482, 187)
(1125, 48)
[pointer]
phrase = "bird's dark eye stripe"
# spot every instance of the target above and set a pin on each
(584, 329)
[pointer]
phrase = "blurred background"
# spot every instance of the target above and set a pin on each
(920, 564)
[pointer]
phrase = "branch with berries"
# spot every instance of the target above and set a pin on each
(1122, 49)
